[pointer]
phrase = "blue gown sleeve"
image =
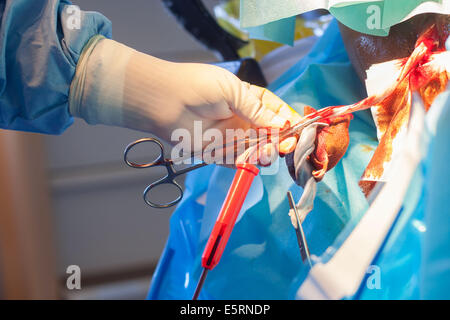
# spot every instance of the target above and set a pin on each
(40, 44)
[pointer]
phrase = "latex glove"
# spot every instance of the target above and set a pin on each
(116, 85)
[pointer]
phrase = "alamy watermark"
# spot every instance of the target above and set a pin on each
(374, 17)
(255, 146)
(72, 17)
(373, 281)
(73, 281)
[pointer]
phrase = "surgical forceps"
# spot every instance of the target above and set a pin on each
(160, 161)
(172, 173)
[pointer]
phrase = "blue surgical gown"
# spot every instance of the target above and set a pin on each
(40, 44)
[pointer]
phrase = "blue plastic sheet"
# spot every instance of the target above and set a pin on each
(262, 259)
(414, 261)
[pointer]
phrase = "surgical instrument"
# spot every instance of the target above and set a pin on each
(301, 239)
(160, 161)
(172, 173)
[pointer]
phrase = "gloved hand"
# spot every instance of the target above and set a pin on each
(116, 85)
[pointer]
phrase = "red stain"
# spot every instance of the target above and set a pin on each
(418, 73)
(393, 112)
(331, 142)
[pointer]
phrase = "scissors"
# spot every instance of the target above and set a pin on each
(160, 161)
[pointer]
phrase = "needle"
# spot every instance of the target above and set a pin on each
(200, 284)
